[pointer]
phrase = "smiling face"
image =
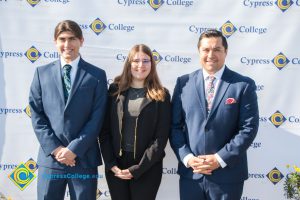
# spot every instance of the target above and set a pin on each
(140, 67)
(212, 54)
(68, 45)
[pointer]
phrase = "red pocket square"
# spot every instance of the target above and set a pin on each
(230, 101)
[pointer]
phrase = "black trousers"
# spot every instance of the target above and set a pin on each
(143, 188)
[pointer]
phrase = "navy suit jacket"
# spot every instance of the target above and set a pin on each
(74, 124)
(228, 130)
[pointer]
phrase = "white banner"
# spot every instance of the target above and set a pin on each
(263, 37)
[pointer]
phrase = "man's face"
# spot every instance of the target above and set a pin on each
(68, 46)
(212, 54)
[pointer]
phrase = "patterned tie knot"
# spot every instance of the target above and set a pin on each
(211, 78)
(67, 69)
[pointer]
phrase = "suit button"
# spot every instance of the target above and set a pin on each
(206, 129)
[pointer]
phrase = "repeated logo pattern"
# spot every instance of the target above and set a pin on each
(280, 61)
(23, 175)
(97, 26)
(283, 5)
(157, 56)
(277, 119)
(27, 111)
(155, 4)
(275, 176)
(32, 54)
(228, 29)
(33, 2)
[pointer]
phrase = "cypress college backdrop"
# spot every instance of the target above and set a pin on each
(263, 37)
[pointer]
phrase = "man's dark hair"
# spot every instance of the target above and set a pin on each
(68, 25)
(213, 33)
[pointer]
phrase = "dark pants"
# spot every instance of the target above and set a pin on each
(205, 189)
(52, 183)
(143, 188)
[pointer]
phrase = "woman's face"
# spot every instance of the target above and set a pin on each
(140, 66)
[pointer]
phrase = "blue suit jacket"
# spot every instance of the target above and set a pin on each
(74, 124)
(228, 130)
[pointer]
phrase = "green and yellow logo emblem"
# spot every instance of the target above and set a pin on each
(275, 176)
(155, 4)
(97, 26)
(280, 61)
(23, 175)
(27, 111)
(33, 2)
(157, 57)
(32, 54)
(228, 29)
(277, 119)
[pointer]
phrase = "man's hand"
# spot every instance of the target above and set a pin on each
(199, 165)
(55, 152)
(66, 156)
(210, 163)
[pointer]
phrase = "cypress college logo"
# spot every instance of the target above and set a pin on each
(275, 176)
(277, 119)
(23, 174)
(280, 61)
(157, 57)
(283, 5)
(97, 26)
(32, 54)
(33, 2)
(155, 4)
(228, 29)
(27, 111)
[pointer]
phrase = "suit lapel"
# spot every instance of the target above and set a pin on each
(57, 76)
(78, 79)
(199, 85)
(223, 86)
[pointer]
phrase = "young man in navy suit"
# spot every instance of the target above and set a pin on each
(215, 120)
(67, 102)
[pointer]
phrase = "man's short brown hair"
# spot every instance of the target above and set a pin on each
(68, 25)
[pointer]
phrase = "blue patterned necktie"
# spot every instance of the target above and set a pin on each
(210, 90)
(67, 81)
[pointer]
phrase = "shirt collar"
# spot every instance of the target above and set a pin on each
(217, 75)
(74, 63)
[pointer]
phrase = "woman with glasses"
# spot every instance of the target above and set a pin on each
(137, 128)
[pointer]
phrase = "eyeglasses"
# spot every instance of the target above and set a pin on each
(136, 62)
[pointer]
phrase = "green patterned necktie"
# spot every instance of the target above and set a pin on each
(67, 80)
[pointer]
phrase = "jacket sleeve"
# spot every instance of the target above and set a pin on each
(89, 134)
(247, 127)
(41, 124)
(155, 151)
(105, 137)
(178, 133)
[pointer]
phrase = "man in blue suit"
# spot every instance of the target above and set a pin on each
(67, 102)
(215, 120)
